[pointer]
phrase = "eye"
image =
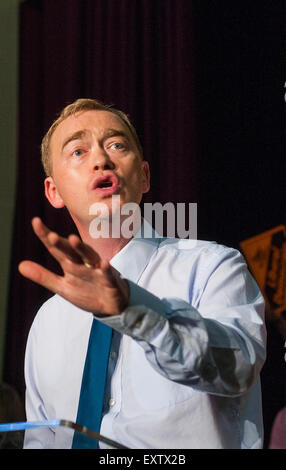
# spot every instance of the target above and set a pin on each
(116, 146)
(77, 153)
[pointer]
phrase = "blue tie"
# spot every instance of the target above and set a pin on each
(93, 384)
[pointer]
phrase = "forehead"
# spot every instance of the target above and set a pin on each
(95, 121)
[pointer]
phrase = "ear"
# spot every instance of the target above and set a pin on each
(145, 177)
(52, 193)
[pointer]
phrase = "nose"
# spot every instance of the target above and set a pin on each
(101, 160)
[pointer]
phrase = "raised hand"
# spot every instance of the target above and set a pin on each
(87, 281)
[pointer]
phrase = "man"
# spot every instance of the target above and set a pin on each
(188, 337)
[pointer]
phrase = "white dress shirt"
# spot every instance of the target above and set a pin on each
(187, 369)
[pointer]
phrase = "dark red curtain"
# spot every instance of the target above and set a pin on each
(134, 54)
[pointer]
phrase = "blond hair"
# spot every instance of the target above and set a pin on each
(80, 105)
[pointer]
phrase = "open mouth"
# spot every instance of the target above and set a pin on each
(107, 184)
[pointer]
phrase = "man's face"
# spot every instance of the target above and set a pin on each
(94, 156)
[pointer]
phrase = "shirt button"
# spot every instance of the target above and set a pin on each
(138, 324)
(111, 402)
(113, 354)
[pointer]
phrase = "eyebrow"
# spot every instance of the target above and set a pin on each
(85, 132)
(115, 133)
(75, 136)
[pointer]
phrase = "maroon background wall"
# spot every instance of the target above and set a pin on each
(203, 82)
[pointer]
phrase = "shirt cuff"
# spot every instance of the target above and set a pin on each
(144, 317)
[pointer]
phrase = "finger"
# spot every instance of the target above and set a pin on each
(39, 227)
(86, 252)
(58, 246)
(64, 248)
(37, 273)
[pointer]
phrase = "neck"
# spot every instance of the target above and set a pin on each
(106, 247)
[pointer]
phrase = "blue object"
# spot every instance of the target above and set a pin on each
(22, 426)
(93, 383)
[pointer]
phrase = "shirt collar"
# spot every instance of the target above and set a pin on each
(134, 257)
